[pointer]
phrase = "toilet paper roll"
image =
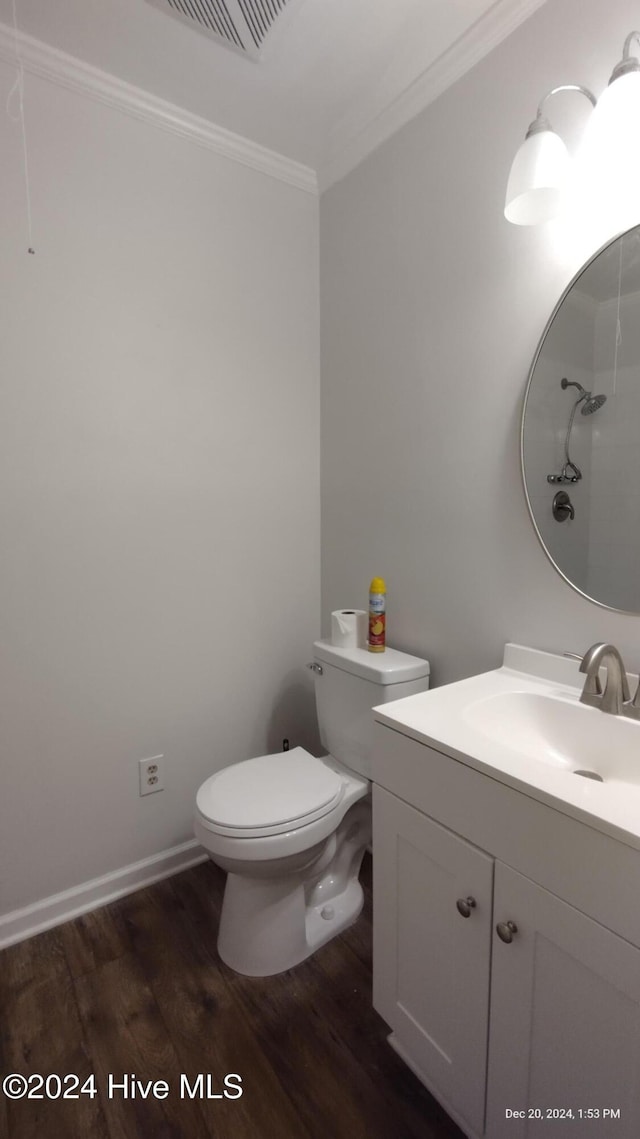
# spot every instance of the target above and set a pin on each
(349, 628)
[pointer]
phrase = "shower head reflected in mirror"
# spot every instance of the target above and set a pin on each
(591, 402)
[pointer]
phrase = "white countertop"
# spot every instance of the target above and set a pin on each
(465, 721)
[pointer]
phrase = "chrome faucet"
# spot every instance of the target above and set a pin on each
(616, 698)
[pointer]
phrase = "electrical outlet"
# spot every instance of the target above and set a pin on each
(151, 774)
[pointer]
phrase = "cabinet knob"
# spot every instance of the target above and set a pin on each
(465, 906)
(505, 931)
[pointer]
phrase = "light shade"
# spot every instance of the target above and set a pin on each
(611, 138)
(537, 179)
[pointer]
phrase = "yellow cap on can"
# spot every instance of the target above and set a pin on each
(378, 585)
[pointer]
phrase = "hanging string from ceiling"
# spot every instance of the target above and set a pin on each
(618, 325)
(17, 91)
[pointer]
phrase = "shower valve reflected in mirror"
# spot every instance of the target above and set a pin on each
(563, 507)
(592, 341)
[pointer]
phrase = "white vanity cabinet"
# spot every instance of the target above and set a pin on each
(535, 1035)
(564, 1019)
(431, 964)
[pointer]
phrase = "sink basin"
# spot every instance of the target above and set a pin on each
(562, 733)
(523, 724)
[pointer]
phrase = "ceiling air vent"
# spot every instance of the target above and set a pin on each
(240, 24)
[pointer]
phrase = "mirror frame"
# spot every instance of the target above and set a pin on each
(557, 307)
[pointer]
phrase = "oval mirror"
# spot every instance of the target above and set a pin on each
(580, 436)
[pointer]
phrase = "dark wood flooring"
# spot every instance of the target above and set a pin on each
(137, 988)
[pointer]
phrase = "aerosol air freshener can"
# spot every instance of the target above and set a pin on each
(377, 615)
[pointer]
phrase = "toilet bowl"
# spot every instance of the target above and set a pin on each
(291, 829)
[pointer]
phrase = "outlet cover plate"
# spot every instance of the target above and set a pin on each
(151, 772)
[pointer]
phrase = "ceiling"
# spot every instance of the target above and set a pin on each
(334, 78)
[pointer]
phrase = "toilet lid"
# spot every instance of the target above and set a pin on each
(271, 791)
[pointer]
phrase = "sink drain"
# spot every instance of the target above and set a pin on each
(590, 775)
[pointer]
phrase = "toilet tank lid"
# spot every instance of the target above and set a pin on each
(389, 667)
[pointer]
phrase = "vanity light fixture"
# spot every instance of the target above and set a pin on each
(541, 166)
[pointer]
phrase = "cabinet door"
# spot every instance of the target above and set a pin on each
(565, 1021)
(431, 964)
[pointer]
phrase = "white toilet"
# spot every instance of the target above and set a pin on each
(291, 829)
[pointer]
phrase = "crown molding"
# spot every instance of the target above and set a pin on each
(374, 129)
(364, 133)
(66, 71)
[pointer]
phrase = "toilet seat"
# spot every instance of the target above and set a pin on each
(269, 795)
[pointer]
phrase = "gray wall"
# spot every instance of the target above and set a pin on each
(159, 481)
(431, 309)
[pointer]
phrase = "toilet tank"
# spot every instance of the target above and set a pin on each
(349, 683)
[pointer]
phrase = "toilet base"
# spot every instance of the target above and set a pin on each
(268, 925)
(344, 911)
(267, 928)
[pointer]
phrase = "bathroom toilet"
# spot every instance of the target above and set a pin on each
(291, 829)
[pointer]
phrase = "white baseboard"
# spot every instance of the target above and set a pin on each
(18, 925)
